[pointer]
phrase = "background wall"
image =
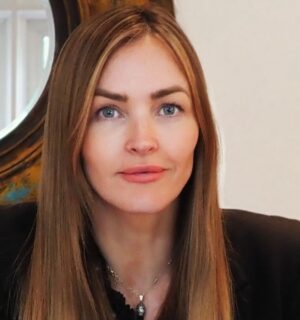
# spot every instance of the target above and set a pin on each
(250, 52)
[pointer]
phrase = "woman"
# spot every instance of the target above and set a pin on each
(128, 223)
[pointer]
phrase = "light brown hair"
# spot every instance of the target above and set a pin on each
(62, 282)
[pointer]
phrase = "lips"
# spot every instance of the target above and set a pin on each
(143, 174)
(143, 169)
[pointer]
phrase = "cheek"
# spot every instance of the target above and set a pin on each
(95, 153)
(100, 145)
(182, 144)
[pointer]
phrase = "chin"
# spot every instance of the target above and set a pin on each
(146, 206)
(139, 203)
(143, 210)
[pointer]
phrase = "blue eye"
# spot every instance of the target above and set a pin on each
(108, 112)
(170, 109)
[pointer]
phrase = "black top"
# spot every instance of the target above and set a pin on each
(263, 252)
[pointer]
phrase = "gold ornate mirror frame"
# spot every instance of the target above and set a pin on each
(20, 150)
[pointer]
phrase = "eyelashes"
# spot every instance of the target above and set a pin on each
(107, 112)
(113, 112)
(171, 109)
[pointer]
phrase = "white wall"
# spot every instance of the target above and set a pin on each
(250, 52)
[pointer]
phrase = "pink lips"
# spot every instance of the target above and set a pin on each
(142, 174)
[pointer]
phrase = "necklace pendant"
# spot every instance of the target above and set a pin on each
(140, 309)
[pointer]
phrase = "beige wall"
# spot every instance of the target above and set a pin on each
(250, 51)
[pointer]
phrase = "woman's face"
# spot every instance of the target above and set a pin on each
(139, 145)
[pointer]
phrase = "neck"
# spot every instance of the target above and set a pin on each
(137, 246)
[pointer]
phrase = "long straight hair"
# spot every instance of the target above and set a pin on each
(62, 281)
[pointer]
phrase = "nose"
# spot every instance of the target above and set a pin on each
(142, 138)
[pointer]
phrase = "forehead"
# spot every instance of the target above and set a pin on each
(146, 62)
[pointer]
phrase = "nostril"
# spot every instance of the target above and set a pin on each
(138, 145)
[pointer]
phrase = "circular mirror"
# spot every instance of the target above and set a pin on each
(27, 42)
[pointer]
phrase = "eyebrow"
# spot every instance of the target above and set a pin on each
(154, 95)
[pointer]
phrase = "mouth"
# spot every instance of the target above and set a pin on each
(143, 174)
(143, 170)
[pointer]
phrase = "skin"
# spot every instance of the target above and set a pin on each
(134, 222)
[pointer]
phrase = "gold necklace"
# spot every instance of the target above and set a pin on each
(140, 308)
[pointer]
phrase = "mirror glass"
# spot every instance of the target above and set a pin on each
(27, 42)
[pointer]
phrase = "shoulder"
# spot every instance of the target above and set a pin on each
(16, 229)
(262, 232)
(257, 240)
(16, 224)
(17, 218)
(264, 257)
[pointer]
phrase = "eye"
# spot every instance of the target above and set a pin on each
(108, 112)
(169, 109)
